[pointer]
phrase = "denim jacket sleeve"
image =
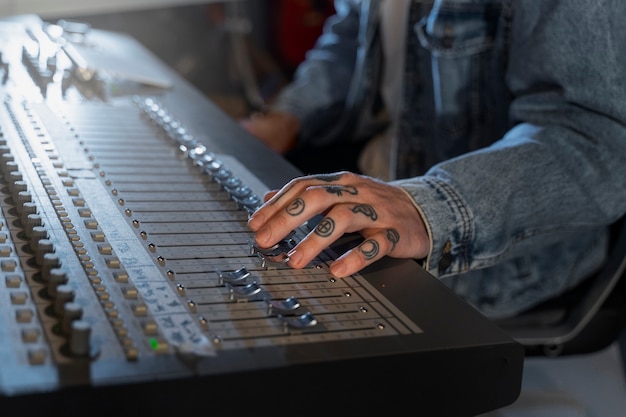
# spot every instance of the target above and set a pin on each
(562, 167)
(323, 83)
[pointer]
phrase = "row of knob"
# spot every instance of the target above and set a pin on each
(45, 257)
(58, 288)
(211, 165)
(199, 155)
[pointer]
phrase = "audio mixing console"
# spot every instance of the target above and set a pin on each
(128, 277)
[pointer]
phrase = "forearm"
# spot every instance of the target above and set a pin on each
(562, 167)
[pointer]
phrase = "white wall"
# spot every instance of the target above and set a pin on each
(61, 8)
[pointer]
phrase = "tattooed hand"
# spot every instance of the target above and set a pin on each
(383, 214)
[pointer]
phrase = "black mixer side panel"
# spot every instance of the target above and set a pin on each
(128, 273)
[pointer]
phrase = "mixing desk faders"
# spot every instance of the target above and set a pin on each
(126, 264)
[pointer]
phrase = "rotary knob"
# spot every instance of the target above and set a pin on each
(23, 197)
(39, 233)
(8, 164)
(25, 210)
(43, 247)
(32, 221)
(56, 278)
(71, 311)
(65, 294)
(49, 262)
(17, 185)
(80, 338)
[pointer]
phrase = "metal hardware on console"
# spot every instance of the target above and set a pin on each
(127, 269)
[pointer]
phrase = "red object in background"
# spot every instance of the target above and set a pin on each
(298, 25)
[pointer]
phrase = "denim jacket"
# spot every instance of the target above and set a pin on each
(513, 144)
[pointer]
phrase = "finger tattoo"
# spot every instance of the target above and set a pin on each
(328, 177)
(340, 189)
(369, 249)
(393, 236)
(325, 227)
(296, 207)
(365, 209)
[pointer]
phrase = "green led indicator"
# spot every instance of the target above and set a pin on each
(154, 343)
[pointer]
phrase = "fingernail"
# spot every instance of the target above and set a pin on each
(261, 237)
(337, 270)
(255, 221)
(294, 257)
